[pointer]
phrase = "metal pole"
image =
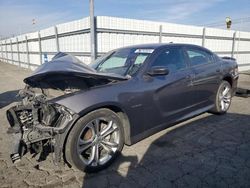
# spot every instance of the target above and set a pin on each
(2, 50)
(233, 44)
(57, 40)
(18, 52)
(27, 51)
(92, 30)
(238, 44)
(6, 52)
(11, 49)
(203, 37)
(40, 47)
(160, 34)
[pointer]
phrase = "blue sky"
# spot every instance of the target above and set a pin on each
(16, 15)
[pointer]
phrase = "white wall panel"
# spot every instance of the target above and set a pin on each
(33, 46)
(14, 47)
(47, 32)
(242, 45)
(196, 41)
(34, 59)
(75, 43)
(22, 47)
(8, 47)
(73, 26)
(107, 41)
(219, 32)
(33, 35)
(127, 24)
(23, 57)
(21, 38)
(9, 56)
(181, 29)
(243, 61)
(15, 56)
(49, 45)
(218, 45)
(243, 34)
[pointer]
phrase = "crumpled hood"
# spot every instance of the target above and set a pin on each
(65, 64)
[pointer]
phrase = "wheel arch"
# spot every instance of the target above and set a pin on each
(113, 107)
(229, 79)
(125, 122)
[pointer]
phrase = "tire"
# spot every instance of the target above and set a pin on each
(223, 98)
(89, 147)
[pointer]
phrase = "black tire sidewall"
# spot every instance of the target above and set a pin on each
(71, 145)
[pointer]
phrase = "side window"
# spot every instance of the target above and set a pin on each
(172, 58)
(198, 57)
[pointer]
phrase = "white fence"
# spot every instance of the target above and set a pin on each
(28, 50)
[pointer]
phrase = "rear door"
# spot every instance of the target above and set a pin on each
(207, 74)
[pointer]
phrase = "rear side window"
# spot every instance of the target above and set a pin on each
(199, 57)
(172, 58)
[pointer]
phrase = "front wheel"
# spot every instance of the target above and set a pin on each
(223, 98)
(95, 141)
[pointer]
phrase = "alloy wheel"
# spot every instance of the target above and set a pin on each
(98, 141)
(225, 97)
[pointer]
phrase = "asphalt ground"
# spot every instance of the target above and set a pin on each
(205, 151)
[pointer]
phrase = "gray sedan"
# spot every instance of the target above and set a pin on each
(86, 113)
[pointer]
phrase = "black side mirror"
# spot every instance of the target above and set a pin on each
(158, 70)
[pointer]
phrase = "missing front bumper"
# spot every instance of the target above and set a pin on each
(33, 136)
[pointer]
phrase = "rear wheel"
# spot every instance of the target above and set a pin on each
(95, 141)
(223, 98)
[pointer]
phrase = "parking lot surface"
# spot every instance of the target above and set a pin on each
(206, 151)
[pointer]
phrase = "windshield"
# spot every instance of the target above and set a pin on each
(123, 61)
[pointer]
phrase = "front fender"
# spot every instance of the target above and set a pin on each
(122, 96)
(86, 101)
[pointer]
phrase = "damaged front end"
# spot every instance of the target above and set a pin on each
(38, 125)
(37, 122)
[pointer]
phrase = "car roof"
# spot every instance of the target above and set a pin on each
(159, 45)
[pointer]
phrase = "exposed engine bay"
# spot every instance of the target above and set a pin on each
(36, 123)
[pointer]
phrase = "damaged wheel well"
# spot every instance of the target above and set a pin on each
(123, 117)
(228, 79)
(125, 122)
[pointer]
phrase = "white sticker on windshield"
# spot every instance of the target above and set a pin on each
(147, 51)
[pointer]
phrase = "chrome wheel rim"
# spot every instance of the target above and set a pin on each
(225, 98)
(98, 141)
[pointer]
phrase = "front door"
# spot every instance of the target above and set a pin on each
(171, 96)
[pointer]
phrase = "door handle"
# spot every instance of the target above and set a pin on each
(217, 70)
